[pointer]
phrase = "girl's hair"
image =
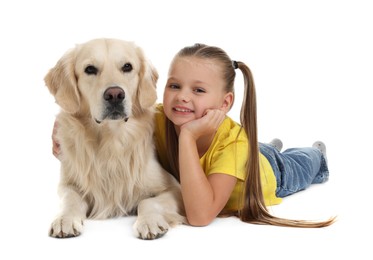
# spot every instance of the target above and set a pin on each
(254, 209)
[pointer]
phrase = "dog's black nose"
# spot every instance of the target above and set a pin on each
(114, 95)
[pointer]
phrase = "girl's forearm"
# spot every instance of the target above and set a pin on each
(197, 192)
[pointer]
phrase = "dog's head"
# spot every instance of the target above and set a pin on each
(107, 78)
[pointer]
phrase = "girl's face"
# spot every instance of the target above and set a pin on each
(193, 86)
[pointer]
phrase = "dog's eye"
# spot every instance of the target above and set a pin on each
(91, 70)
(127, 67)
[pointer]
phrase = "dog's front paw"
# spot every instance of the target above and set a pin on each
(66, 226)
(150, 227)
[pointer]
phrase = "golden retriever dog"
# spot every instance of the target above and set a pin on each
(106, 89)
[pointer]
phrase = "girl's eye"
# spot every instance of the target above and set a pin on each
(173, 86)
(199, 90)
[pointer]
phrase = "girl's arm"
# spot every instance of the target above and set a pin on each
(56, 149)
(204, 197)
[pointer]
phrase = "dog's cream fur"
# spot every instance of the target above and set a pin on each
(108, 163)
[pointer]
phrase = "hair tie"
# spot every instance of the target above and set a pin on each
(235, 64)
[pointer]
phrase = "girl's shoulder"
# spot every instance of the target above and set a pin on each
(231, 129)
(229, 133)
(159, 114)
(159, 108)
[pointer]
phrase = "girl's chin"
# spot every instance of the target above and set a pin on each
(181, 119)
(179, 123)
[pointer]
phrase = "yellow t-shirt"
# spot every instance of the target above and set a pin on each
(227, 154)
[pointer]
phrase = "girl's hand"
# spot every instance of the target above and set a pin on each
(56, 145)
(206, 125)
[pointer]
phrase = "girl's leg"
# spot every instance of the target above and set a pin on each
(297, 168)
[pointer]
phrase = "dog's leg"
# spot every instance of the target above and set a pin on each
(157, 214)
(69, 222)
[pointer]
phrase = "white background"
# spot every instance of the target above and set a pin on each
(312, 62)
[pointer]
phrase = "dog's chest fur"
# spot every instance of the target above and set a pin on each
(111, 185)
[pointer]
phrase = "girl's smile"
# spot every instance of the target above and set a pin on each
(182, 110)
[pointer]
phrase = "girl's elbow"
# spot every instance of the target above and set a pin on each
(200, 221)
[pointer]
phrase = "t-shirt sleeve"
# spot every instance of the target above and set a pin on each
(229, 158)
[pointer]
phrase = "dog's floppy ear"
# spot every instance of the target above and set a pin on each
(147, 94)
(62, 83)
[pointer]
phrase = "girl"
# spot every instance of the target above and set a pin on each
(221, 167)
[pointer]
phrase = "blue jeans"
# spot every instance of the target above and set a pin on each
(296, 168)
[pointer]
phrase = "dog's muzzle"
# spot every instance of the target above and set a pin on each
(114, 99)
